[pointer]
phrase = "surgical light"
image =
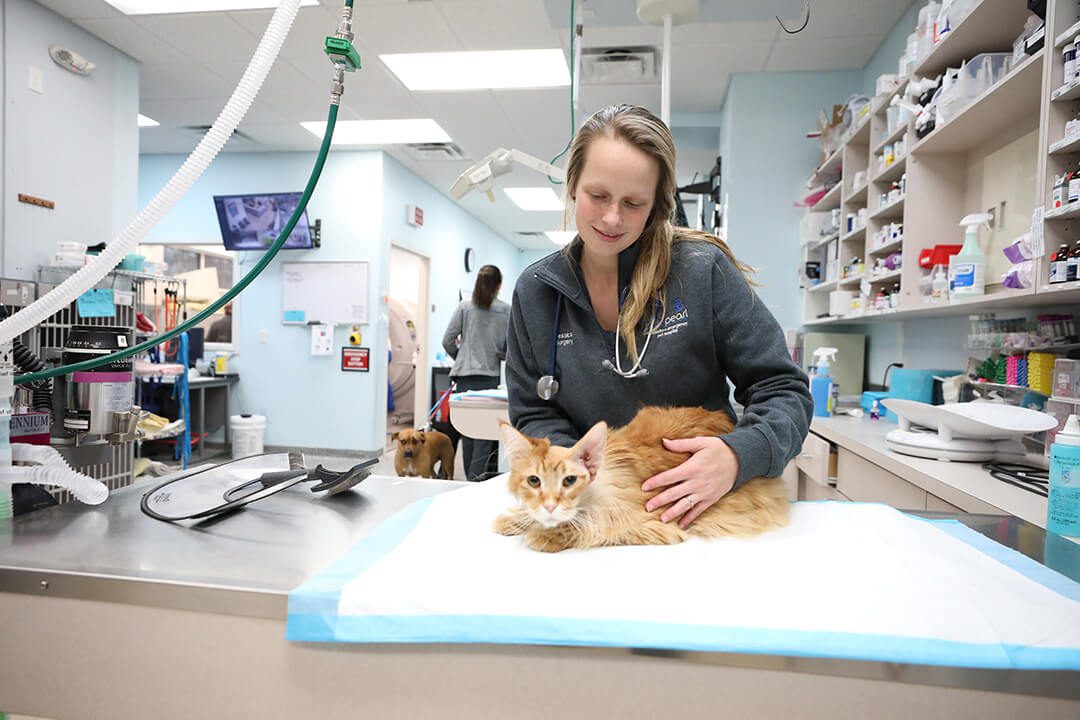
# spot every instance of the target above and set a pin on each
(483, 70)
(382, 132)
(481, 176)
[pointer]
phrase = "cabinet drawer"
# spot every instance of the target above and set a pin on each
(810, 490)
(863, 481)
(813, 460)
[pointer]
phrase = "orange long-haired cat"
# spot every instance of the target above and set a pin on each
(594, 488)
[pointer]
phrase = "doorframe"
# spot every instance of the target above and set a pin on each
(422, 382)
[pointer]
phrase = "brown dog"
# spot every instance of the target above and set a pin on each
(419, 450)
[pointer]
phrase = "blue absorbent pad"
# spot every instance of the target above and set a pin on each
(856, 581)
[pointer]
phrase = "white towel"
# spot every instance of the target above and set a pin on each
(846, 580)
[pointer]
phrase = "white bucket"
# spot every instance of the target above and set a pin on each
(246, 432)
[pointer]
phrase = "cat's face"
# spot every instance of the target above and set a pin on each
(549, 480)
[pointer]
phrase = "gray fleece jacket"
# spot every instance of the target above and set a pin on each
(483, 338)
(715, 329)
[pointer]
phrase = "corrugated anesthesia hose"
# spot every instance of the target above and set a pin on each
(178, 185)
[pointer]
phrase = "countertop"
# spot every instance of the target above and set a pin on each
(963, 484)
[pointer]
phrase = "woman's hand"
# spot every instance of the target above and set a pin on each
(692, 487)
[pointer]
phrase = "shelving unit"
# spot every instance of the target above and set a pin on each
(977, 161)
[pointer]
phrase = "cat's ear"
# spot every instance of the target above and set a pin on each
(516, 444)
(589, 450)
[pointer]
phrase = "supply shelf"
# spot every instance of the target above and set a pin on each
(991, 26)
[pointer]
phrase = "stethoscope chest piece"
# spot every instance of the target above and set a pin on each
(546, 387)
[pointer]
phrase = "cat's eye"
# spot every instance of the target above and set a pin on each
(533, 481)
(569, 480)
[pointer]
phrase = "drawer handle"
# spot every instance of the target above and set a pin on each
(806, 455)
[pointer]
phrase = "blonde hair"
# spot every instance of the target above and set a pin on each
(648, 133)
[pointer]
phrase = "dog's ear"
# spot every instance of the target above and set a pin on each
(423, 436)
(395, 437)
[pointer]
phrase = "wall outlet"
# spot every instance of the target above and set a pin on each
(322, 339)
(264, 337)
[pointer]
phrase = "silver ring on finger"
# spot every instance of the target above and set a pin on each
(692, 500)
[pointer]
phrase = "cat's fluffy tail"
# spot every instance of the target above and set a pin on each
(759, 505)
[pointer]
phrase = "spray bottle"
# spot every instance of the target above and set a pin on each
(821, 385)
(1063, 504)
(967, 269)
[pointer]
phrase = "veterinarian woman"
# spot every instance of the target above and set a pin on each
(639, 312)
(476, 339)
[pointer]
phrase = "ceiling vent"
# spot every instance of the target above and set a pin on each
(619, 65)
(531, 235)
(237, 137)
(435, 151)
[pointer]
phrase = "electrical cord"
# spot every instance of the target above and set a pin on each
(573, 123)
(1026, 477)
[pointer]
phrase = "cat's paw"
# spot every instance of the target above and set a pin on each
(546, 542)
(510, 524)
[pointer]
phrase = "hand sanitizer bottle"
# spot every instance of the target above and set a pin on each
(1063, 505)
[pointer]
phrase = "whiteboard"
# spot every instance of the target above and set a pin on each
(324, 292)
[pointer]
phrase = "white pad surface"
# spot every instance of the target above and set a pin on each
(848, 580)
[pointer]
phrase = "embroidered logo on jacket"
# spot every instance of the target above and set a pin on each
(675, 320)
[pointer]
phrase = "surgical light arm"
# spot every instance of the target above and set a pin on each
(481, 176)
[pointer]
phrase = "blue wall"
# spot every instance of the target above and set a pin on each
(446, 232)
(76, 144)
(886, 59)
(765, 169)
(361, 198)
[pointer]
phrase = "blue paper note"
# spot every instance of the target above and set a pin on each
(294, 316)
(96, 303)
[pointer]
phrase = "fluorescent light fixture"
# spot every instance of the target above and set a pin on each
(147, 122)
(381, 132)
(561, 237)
(535, 199)
(485, 70)
(158, 7)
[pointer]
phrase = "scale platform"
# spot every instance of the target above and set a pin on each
(967, 432)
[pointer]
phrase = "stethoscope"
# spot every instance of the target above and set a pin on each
(547, 386)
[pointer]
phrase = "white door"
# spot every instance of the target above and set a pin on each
(408, 290)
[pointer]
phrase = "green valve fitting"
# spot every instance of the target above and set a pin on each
(340, 50)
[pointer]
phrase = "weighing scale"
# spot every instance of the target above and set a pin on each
(968, 432)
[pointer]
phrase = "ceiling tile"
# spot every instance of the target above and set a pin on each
(306, 36)
(403, 28)
(81, 9)
(180, 81)
(794, 52)
(522, 24)
(124, 35)
(212, 39)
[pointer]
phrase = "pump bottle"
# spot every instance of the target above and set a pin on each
(1063, 504)
(967, 269)
(821, 385)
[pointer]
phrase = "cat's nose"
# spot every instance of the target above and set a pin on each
(550, 506)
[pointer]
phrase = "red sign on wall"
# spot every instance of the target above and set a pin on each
(355, 359)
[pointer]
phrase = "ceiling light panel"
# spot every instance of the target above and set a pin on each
(561, 237)
(160, 7)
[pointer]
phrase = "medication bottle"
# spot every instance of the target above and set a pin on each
(821, 385)
(1068, 55)
(1063, 504)
(1059, 264)
(1060, 191)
